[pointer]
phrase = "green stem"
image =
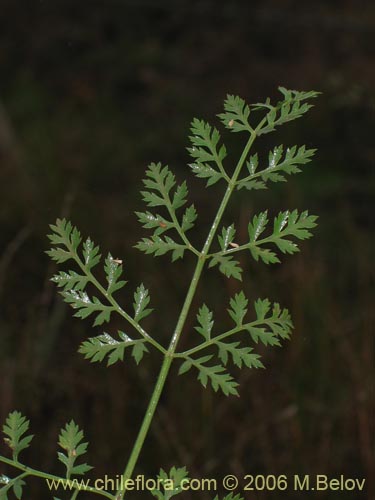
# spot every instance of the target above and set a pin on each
(222, 336)
(181, 322)
(62, 481)
(247, 246)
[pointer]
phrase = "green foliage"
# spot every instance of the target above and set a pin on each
(216, 374)
(270, 326)
(70, 440)
(15, 428)
(216, 353)
(171, 483)
(205, 321)
(230, 496)
(241, 356)
(98, 348)
(16, 484)
(141, 301)
(86, 306)
(286, 225)
(208, 157)
(73, 284)
(278, 166)
(238, 308)
(236, 114)
(293, 106)
(227, 237)
(113, 272)
(160, 246)
(160, 184)
(227, 265)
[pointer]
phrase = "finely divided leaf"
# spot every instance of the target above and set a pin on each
(206, 152)
(236, 114)
(240, 355)
(159, 180)
(216, 375)
(15, 428)
(86, 306)
(261, 308)
(180, 196)
(257, 226)
(226, 237)
(91, 254)
(67, 236)
(285, 225)
(204, 171)
(96, 349)
(265, 254)
(141, 301)
(205, 320)
(160, 246)
(238, 308)
(277, 325)
(70, 280)
(171, 483)
(70, 441)
(227, 265)
(189, 218)
(113, 271)
(291, 107)
(154, 221)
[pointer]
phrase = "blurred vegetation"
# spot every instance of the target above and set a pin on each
(89, 96)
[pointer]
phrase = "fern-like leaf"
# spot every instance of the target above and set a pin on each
(238, 308)
(160, 246)
(141, 301)
(207, 155)
(171, 483)
(227, 265)
(96, 349)
(70, 440)
(215, 374)
(206, 322)
(236, 114)
(15, 428)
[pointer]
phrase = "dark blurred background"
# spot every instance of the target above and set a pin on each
(91, 92)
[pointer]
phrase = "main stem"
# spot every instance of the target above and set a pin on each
(180, 324)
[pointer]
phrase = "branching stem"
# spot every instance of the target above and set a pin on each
(183, 315)
(59, 480)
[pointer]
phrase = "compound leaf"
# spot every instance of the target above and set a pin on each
(238, 309)
(226, 237)
(70, 440)
(96, 349)
(86, 306)
(205, 152)
(205, 321)
(171, 483)
(215, 374)
(160, 246)
(141, 301)
(15, 428)
(189, 218)
(227, 265)
(257, 226)
(113, 271)
(240, 355)
(236, 114)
